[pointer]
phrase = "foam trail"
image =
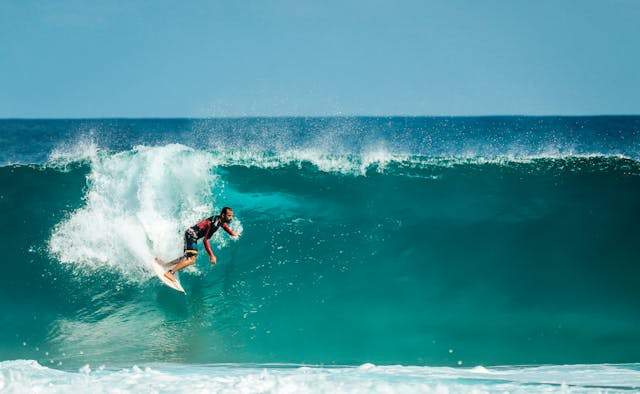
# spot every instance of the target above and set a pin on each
(22, 375)
(137, 205)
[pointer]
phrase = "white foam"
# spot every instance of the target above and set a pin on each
(379, 159)
(354, 164)
(138, 204)
(326, 157)
(29, 376)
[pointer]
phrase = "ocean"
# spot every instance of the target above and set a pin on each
(397, 254)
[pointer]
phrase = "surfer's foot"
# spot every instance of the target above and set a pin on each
(169, 275)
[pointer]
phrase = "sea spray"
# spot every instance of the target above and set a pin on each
(137, 205)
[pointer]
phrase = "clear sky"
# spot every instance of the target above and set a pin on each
(298, 57)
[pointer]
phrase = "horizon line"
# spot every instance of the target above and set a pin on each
(315, 117)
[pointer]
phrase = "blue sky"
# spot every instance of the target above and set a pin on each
(279, 58)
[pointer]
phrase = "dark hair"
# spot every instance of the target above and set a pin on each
(225, 209)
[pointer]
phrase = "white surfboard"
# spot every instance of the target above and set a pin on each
(160, 268)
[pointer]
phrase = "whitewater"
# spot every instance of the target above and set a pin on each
(375, 255)
(21, 376)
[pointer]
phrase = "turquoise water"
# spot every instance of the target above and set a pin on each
(429, 243)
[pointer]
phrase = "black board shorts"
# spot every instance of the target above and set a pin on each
(190, 243)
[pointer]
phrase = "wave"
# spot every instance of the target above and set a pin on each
(414, 260)
(19, 376)
(139, 202)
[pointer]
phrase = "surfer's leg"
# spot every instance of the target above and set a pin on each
(170, 263)
(183, 262)
(189, 257)
(174, 261)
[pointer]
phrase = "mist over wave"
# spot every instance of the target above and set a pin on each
(35, 141)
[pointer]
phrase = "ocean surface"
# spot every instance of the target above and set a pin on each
(401, 254)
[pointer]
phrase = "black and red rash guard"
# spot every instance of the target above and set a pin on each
(207, 227)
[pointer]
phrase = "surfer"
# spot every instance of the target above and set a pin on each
(203, 229)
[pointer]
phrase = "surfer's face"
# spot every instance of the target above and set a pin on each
(228, 216)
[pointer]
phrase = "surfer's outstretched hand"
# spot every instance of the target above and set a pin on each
(213, 260)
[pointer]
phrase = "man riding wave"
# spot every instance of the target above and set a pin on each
(205, 228)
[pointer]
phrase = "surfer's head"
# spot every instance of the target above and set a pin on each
(226, 214)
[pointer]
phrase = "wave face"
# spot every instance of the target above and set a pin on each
(387, 241)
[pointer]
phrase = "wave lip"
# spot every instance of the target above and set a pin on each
(27, 375)
(84, 150)
(375, 158)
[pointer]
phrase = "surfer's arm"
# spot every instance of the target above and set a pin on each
(207, 247)
(228, 230)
